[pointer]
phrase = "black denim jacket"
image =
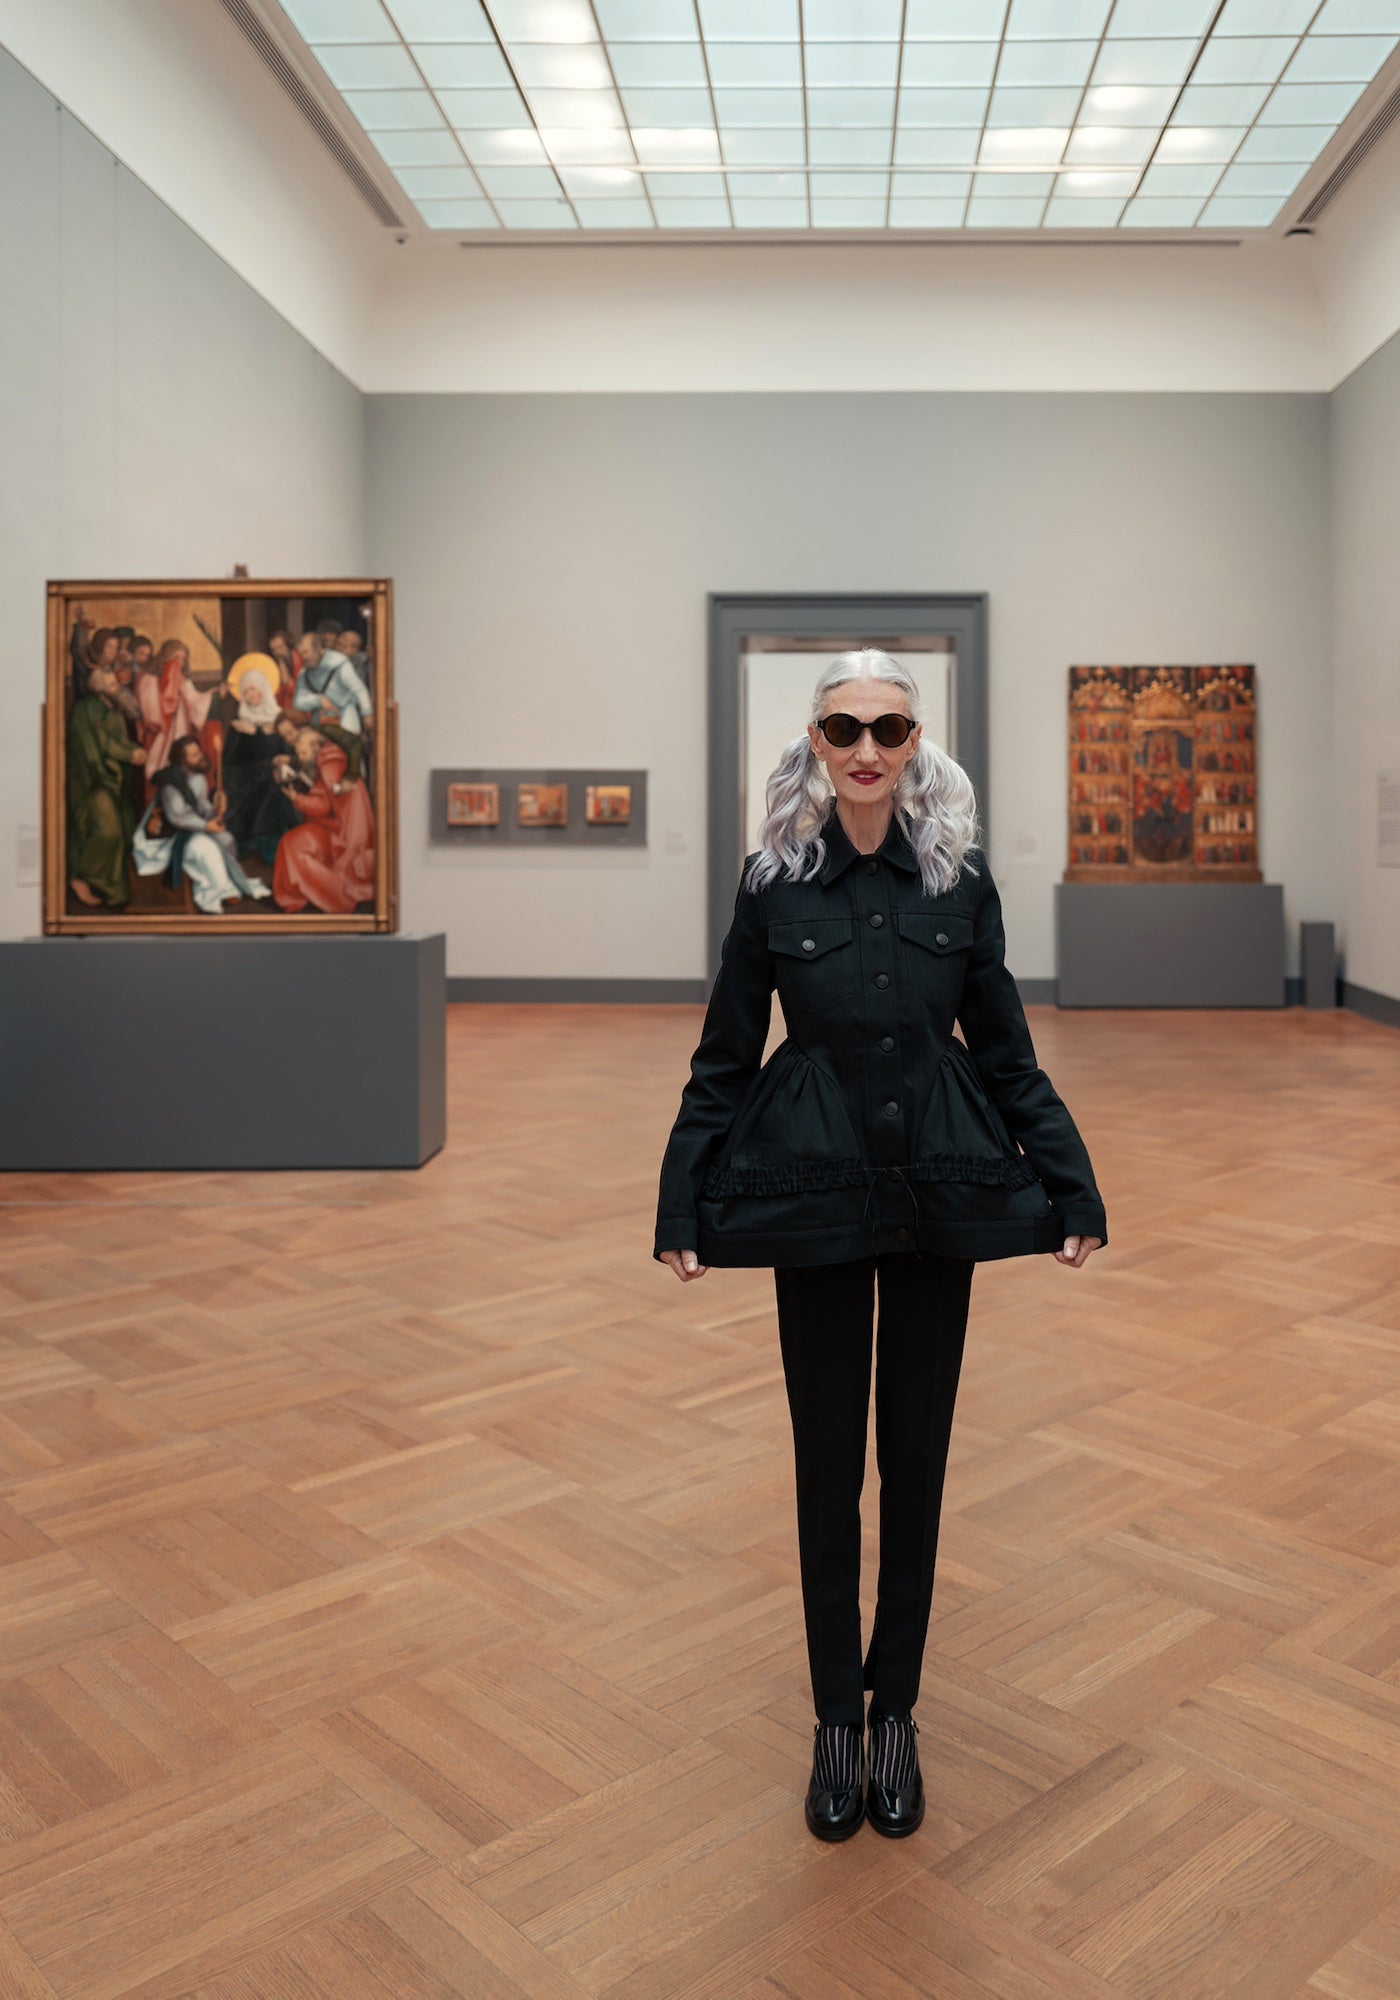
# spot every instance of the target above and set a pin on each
(871, 1127)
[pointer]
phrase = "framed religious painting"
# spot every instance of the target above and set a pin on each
(220, 757)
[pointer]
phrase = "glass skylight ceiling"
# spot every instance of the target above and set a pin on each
(869, 115)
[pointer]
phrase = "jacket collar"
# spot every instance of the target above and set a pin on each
(840, 852)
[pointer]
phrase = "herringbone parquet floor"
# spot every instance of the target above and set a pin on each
(398, 1587)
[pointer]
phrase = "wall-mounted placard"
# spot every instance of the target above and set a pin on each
(498, 807)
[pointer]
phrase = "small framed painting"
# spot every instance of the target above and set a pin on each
(542, 805)
(607, 805)
(473, 805)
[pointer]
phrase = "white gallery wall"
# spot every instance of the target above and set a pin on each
(157, 418)
(552, 556)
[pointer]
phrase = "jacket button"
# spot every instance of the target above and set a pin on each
(892, 1108)
(901, 1235)
(810, 944)
(882, 979)
(876, 921)
(887, 1042)
(871, 867)
(941, 938)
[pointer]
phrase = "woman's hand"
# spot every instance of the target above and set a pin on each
(1077, 1249)
(685, 1264)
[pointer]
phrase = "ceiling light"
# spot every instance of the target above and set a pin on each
(544, 20)
(1039, 146)
(569, 68)
(697, 146)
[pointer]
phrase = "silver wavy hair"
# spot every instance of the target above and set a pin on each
(934, 801)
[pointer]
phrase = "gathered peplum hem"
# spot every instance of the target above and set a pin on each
(810, 1176)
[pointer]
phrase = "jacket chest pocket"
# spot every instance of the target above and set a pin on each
(811, 957)
(944, 935)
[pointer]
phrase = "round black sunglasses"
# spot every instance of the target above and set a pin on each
(888, 730)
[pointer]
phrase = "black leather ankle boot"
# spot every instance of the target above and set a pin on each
(894, 1801)
(835, 1798)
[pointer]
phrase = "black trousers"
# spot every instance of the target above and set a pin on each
(826, 1325)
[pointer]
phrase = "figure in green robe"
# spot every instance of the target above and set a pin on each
(100, 816)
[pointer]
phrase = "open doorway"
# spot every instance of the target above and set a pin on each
(765, 654)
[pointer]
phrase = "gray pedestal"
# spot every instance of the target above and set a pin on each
(1317, 954)
(193, 1053)
(1170, 944)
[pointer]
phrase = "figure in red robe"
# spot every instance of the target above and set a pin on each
(327, 861)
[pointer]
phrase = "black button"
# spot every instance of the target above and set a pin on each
(887, 1042)
(941, 938)
(871, 866)
(902, 1235)
(882, 979)
(876, 921)
(892, 1108)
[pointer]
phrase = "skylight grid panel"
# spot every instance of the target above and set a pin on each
(490, 109)
(613, 214)
(772, 108)
(1199, 178)
(434, 20)
(1095, 212)
(537, 214)
(769, 214)
(1160, 212)
(927, 213)
(1339, 58)
(941, 107)
(851, 20)
(1244, 59)
(1239, 212)
(1110, 145)
(561, 66)
(842, 146)
(1126, 104)
(1251, 178)
(674, 214)
(1041, 147)
(1310, 103)
(1015, 213)
(749, 20)
(544, 20)
(1159, 19)
(742, 147)
(1144, 62)
(511, 145)
(682, 146)
(744, 65)
(646, 20)
(851, 63)
(1285, 142)
(340, 20)
(1087, 184)
(1358, 17)
(421, 182)
(930, 147)
(519, 182)
(1197, 142)
(436, 147)
(463, 65)
(368, 65)
(941, 64)
(953, 21)
(929, 187)
(1219, 103)
(1056, 20)
(1046, 63)
(592, 110)
(1002, 187)
(850, 107)
(667, 107)
(1033, 107)
(393, 110)
(658, 65)
(833, 213)
(458, 214)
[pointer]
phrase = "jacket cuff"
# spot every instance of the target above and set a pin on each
(674, 1232)
(1084, 1219)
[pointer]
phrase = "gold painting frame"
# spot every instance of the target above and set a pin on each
(61, 918)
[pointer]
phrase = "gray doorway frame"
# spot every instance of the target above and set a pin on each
(874, 619)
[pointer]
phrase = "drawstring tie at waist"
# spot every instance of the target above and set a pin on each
(870, 1222)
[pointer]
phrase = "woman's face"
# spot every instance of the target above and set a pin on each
(867, 771)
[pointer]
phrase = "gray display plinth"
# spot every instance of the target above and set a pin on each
(1170, 944)
(192, 1053)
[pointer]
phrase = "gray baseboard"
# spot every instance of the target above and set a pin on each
(583, 992)
(695, 992)
(1375, 1006)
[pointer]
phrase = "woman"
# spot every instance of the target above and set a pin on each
(872, 1154)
